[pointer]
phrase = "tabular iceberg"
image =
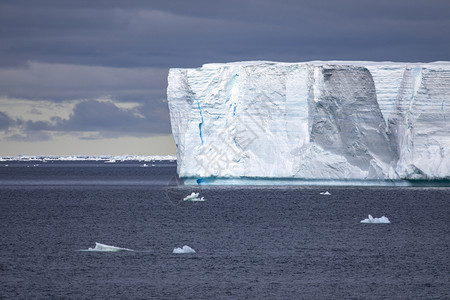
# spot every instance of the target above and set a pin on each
(313, 121)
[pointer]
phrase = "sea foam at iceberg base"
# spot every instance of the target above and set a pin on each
(316, 122)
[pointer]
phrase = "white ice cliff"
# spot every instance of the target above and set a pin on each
(312, 120)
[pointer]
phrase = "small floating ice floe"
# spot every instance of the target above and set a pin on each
(372, 220)
(194, 197)
(144, 165)
(325, 193)
(185, 249)
(106, 248)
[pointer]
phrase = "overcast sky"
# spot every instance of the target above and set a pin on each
(90, 77)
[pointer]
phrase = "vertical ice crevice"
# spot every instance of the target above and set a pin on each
(202, 122)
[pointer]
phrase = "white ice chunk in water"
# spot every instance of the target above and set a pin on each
(106, 248)
(372, 220)
(194, 197)
(185, 249)
(325, 193)
(191, 196)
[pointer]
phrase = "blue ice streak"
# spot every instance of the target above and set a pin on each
(201, 123)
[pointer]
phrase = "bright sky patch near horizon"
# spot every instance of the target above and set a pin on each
(90, 77)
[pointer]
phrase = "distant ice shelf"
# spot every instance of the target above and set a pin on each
(334, 121)
(105, 158)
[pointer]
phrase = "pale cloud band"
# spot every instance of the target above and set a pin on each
(42, 101)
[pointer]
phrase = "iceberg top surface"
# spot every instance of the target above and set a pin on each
(321, 62)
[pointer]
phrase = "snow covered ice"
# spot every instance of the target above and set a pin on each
(105, 158)
(372, 220)
(194, 197)
(312, 121)
(185, 249)
(106, 248)
(191, 196)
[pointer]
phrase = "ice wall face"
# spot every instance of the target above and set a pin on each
(421, 123)
(315, 120)
(347, 120)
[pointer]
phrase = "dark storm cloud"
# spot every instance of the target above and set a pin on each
(59, 82)
(108, 120)
(189, 33)
(5, 121)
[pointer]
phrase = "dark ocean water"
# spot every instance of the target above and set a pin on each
(251, 242)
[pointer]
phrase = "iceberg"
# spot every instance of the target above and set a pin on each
(185, 249)
(372, 220)
(327, 193)
(194, 198)
(274, 123)
(106, 248)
